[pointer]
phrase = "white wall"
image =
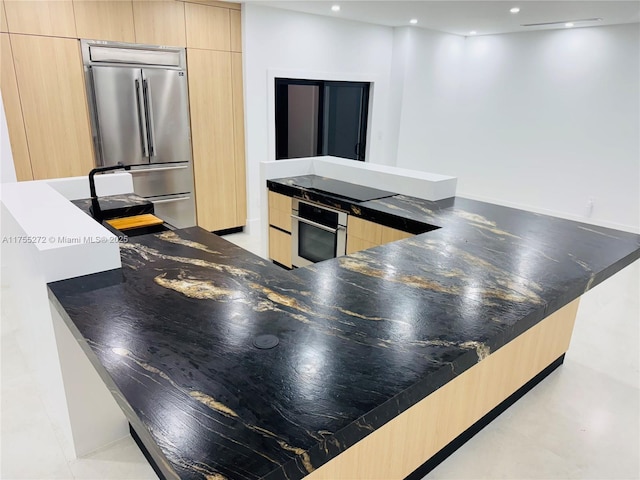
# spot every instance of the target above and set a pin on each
(543, 120)
(432, 65)
(283, 43)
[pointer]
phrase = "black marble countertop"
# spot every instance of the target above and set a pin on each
(113, 206)
(117, 206)
(362, 337)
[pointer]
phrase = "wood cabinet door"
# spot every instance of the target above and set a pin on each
(159, 22)
(280, 211)
(364, 229)
(238, 141)
(3, 18)
(212, 135)
(105, 20)
(13, 112)
(207, 27)
(356, 244)
(280, 247)
(389, 235)
(236, 30)
(363, 234)
(41, 17)
(54, 106)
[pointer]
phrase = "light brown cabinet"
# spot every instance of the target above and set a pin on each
(280, 247)
(54, 106)
(215, 3)
(13, 111)
(238, 140)
(236, 31)
(207, 27)
(105, 20)
(212, 133)
(159, 22)
(363, 234)
(45, 96)
(3, 18)
(280, 228)
(41, 17)
(280, 211)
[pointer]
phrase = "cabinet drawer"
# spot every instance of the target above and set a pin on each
(165, 180)
(277, 201)
(280, 247)
(280, 219)
(280, 211)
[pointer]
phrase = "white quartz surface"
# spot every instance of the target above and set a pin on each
(428, 186)
(75, 188)
(46, 238)
(69, 242)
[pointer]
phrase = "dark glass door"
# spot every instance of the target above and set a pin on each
(298, 110)
(345, 119)
(317, 117)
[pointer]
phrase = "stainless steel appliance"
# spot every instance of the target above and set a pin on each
(318, 233)
(139, 109)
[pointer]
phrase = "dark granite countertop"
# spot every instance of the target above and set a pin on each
(362, 337)
(114, 206)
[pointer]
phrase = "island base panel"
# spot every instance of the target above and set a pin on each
(405, 443)
(468, 434)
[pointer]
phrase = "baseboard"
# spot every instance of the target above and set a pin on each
(146, 454)
(253, 225)
(228, 231)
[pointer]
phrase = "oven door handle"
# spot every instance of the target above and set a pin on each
(318, 225)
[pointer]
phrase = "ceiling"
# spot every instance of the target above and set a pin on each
(462, 17)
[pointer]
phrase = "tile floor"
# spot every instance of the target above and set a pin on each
(582, 422)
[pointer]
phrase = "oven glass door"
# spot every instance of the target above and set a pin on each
(315, 244)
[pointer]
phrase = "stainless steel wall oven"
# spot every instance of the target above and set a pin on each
(318, 233)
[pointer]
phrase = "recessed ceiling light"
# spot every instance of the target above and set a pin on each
(472, 32)
(568, 24)
(335, 8)
(413, 21)
(514, 10)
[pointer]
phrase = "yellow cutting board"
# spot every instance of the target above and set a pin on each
(136, 221)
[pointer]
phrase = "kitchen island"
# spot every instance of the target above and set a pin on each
(364, 340)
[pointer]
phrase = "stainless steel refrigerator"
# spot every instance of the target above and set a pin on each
(139, 108)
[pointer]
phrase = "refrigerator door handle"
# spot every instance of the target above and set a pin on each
(141, 119)
(141, 171)
(159, 169)
(170, 200)
(152, 133)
